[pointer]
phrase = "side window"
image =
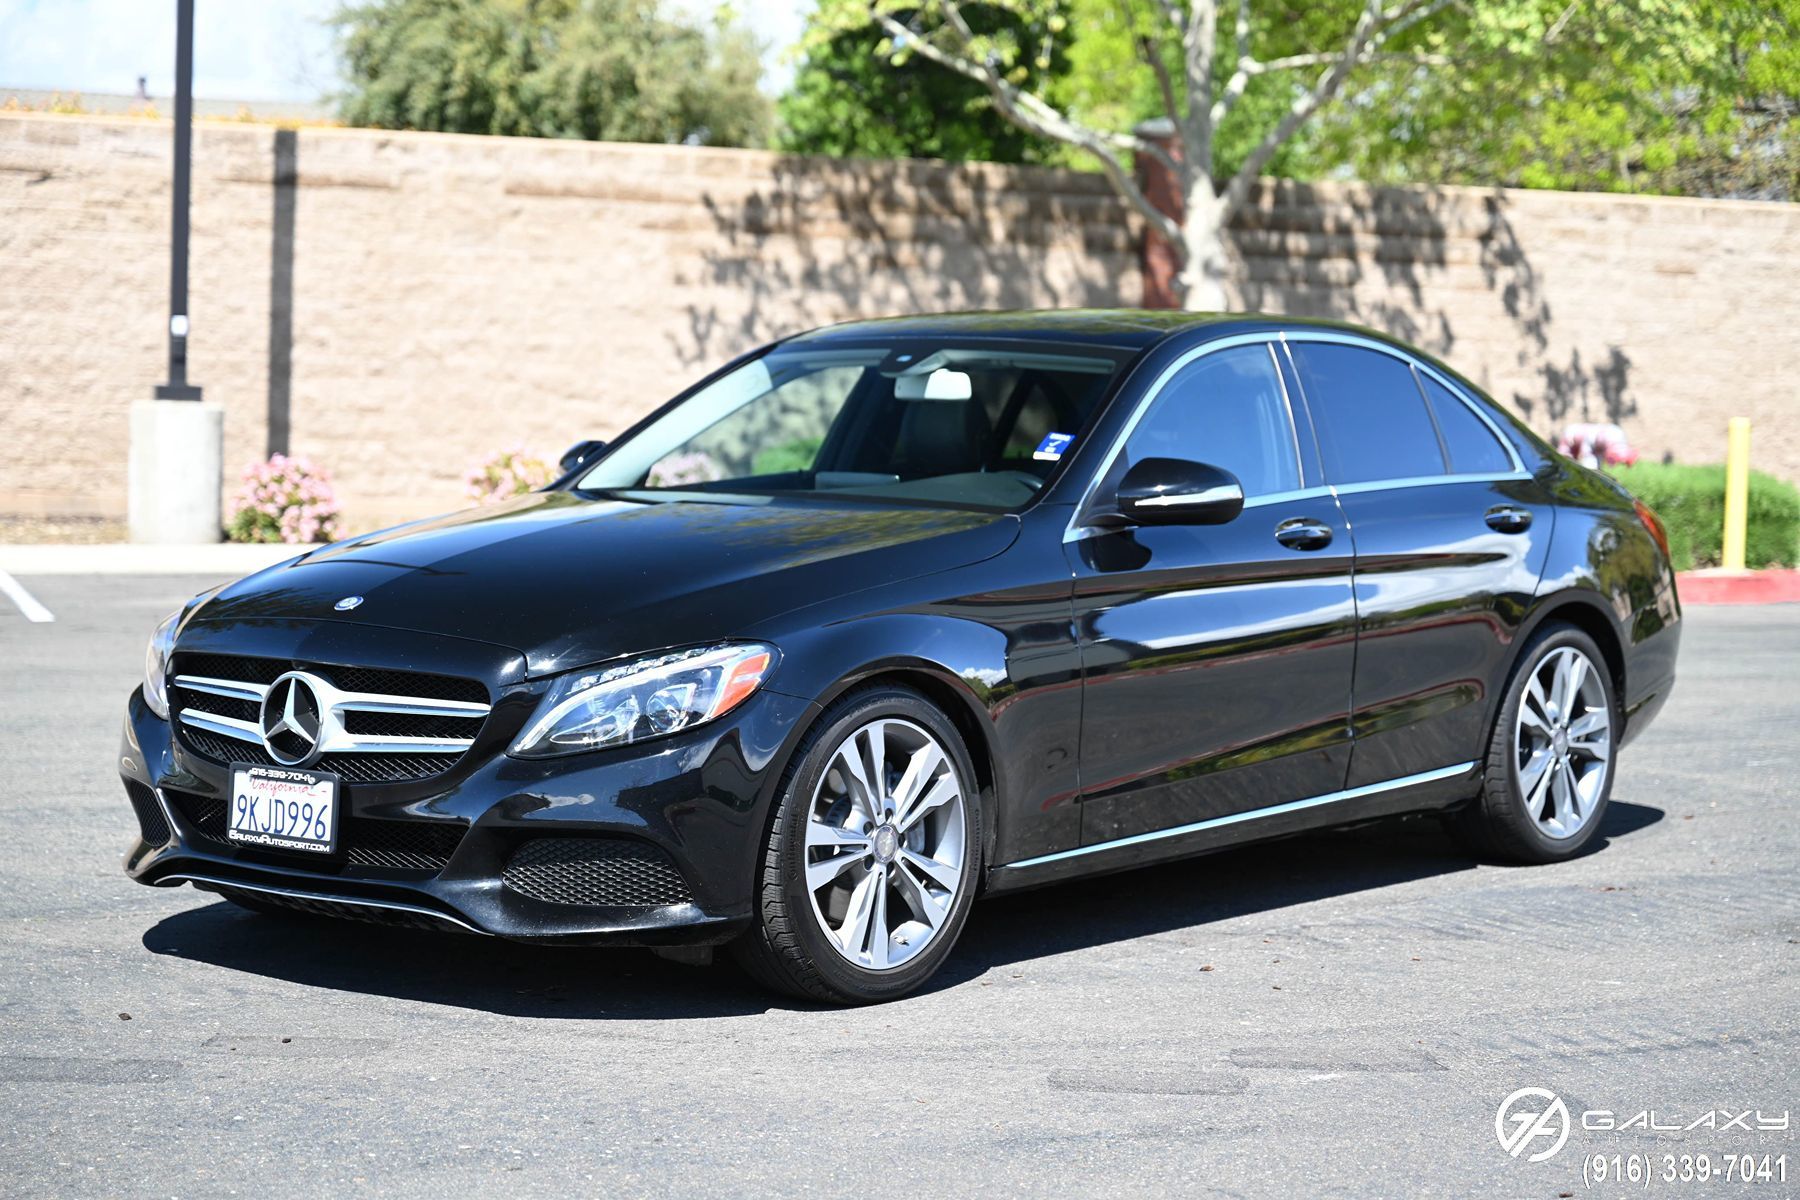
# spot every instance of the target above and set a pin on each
(1472, 445)
(1371, 419)
(1226, 409)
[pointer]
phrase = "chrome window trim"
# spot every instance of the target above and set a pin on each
(1076, 531)
(1366, 343)
(1287, 402)
(1284, 497)
(1275, 810)
(1392, 485)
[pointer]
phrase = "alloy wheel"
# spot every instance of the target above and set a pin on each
(885, 837)
(1562, 742)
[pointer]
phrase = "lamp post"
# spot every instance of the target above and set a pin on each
(177, 441)
(178, 388)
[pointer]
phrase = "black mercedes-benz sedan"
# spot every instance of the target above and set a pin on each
(878, 618)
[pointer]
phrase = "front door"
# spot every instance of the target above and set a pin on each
(1216, 660)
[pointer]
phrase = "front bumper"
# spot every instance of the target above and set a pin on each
(701, 798)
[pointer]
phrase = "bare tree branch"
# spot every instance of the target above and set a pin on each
(1030, 113)
(1240, 75)
(1294, 61)
(1309, 102)
(1152, 55)
(1199, 42)
(1550, 34)
(1372, 30)
(1172, 13)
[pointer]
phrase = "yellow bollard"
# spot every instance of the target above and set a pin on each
(1737, 491)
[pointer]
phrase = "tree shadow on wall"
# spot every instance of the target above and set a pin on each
(1308, 251)
(830, 240)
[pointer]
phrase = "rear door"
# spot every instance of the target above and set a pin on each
(1450, 534)
(1216, 659)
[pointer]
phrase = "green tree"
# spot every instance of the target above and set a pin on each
(614, 70)
(847, 102)
(1697, 97)
(1533, 92)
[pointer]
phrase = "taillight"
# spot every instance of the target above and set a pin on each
(1654, 524)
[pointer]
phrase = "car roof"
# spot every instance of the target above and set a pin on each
(1125, 328)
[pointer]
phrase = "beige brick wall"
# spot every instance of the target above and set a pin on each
(1666, 315)
(454, 295)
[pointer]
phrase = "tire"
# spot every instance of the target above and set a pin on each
(1544, 797)
(895, 879)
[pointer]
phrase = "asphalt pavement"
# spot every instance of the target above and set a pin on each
(1336, 1015)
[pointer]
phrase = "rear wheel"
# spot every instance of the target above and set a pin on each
(1550, 758)
(873, 855)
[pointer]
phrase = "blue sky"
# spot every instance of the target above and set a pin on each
(243, 49)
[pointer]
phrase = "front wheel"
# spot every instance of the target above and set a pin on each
(872, 857)
(1550, 759)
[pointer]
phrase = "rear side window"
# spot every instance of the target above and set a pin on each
(1371, 419)
(1227, 409)
(1473, 448)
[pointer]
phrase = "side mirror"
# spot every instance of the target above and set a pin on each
(580, 455)
(1170, 491)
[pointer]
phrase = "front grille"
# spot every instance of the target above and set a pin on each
(421, 846)
(406, 683)
(226, 750)
(595, 872)
(378, 725)
(151, 824)
(387, 768)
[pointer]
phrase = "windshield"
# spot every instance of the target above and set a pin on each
(966, 425)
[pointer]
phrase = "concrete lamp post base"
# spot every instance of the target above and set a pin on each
(177, 469)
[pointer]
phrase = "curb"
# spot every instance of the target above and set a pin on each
(226, 559)
(1719, 586)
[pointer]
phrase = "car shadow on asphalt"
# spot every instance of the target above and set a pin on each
(518, 980)
(1266, 878)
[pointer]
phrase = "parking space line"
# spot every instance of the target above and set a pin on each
(25, 600)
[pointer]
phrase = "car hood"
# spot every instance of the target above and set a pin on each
(567, 581)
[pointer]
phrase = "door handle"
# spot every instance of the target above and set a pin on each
(1507, 519)
(1303, 533)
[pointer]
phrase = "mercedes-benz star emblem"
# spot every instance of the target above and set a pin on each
(291, 719)
(347, 603)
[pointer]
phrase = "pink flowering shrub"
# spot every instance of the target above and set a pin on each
(284, 500)
(682, 469)
(507, 474)
(1597, 445)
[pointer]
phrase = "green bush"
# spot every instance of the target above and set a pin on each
(797, 455)
(1691, 503)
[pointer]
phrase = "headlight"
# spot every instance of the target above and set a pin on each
(591, 710)
(156, 664)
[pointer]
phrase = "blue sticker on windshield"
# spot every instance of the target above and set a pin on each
(1052, 447)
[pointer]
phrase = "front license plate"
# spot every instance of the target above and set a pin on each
(283, 809)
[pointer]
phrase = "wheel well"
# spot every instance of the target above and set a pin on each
(954, 704)
(1591, 621)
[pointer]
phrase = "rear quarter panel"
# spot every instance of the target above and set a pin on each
(1602, 557)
